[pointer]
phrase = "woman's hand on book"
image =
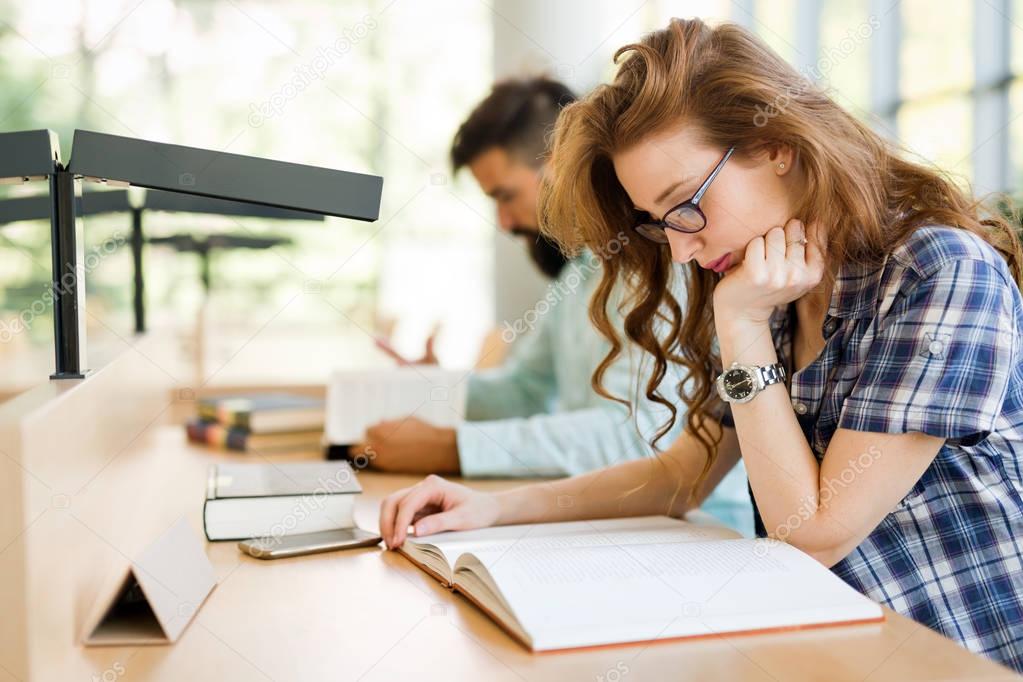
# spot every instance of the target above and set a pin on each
(434, 505)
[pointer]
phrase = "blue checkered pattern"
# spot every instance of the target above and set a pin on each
(931, 342)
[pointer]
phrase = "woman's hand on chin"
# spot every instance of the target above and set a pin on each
(778, 268)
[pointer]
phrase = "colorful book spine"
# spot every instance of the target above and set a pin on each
(224, 415)
(213, 433)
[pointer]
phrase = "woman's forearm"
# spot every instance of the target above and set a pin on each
(782, 470)
(598, 494)
(653, 485)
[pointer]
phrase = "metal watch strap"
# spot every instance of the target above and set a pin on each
(772, 374)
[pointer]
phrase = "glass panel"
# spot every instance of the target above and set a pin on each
(1016, 36)
(940, 131)
(656, 14)
(1016, 138)
(328, 85)
(843, 64)
(937, 54)
(775, 22)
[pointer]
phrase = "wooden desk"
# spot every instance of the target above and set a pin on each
(85, 482)
(369, 614)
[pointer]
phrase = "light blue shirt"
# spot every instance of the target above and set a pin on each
(538, 415)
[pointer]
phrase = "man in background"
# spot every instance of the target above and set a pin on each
(537, 414)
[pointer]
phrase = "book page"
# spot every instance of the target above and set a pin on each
(566, 595)
(603, 532)
(357, 399)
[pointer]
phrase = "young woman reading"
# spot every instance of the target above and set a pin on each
(852, 332)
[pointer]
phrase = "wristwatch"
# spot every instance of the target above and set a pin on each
(742, 383)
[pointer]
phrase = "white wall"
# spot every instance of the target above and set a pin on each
(571, 40)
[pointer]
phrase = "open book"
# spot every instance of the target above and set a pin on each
(358, 399)
(589, 583)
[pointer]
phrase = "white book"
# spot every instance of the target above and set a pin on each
(357, 399)
(592, 583)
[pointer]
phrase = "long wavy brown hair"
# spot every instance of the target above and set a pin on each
(734, 91)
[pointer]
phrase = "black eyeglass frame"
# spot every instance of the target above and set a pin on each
(656, 231)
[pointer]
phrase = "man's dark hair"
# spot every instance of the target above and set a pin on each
(517, 116)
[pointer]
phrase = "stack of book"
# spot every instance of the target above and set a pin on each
(264, 422)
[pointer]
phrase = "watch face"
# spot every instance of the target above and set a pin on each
(738, 383)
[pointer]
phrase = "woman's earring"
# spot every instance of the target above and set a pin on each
(781, 165)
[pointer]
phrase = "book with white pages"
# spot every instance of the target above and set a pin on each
(612, 581)
(358, 399)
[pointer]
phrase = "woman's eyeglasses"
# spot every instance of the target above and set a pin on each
(687, 217)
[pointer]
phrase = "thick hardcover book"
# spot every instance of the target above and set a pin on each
(593, 583)
(272, 500)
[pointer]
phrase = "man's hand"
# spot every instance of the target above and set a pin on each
(429, 356)
(409, 445)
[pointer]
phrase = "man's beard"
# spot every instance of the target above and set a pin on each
(545, 253)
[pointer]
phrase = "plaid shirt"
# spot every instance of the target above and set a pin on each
(930, 342)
